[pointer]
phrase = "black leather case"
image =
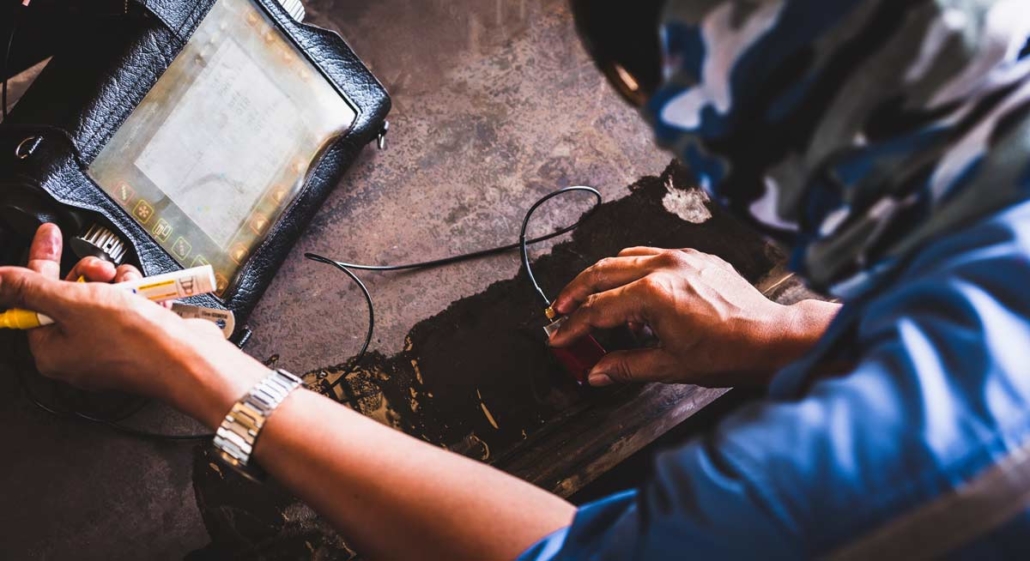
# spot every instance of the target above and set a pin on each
(86, 92)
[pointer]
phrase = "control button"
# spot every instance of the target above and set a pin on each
(279, 195)
(238, 253)
(182, 248)
(259, 224)
(221, 283)
(162, 230)
(143, 212)
(124, 193)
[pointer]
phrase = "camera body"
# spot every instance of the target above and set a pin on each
(187, 132)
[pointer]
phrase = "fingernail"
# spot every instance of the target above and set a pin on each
(599, 380)
(552, 338)
(563, 306)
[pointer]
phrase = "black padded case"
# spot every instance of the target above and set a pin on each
(88, 90)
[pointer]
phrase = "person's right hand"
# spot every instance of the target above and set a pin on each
(107, 339)
(714, 327)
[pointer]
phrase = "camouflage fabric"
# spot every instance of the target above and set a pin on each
(853, 130)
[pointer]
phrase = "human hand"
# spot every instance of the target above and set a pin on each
(107, 339)
(714, 327)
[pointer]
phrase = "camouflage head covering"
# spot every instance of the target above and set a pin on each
(853, 130)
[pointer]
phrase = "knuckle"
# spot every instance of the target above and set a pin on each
(620, 371)
(599, 272)
(590, 303)
(672, 259)
(652, 284)
(94, 292)
(691, 256)
(594, 308)
(17, 289)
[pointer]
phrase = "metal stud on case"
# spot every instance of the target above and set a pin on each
(295, 8)
(99, 242)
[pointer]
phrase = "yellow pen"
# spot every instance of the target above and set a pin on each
(159, 288)
(25, 319)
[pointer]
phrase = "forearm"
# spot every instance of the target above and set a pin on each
(400, 498)
(391, 495)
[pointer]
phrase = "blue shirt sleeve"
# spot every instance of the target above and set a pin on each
(939, 392)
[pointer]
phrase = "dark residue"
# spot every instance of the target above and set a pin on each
(477, 378)
(490, 350)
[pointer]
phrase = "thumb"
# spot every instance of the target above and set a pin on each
(641, 365)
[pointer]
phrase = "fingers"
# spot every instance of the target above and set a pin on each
(93, 269)
(626, 304)
(640, 251)
(643, 365)
(607, 274)
(127, 273)
(98, 270)
(631, 265)
(22, 288)
(45, 251)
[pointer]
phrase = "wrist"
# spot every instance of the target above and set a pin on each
(801, 325)
(210, 380)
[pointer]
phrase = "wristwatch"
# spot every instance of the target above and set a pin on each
(235, 438)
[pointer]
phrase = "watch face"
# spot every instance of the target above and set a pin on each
(223, 143)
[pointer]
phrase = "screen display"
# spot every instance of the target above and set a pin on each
(223, 143)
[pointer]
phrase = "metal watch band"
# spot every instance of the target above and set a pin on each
(235, 438)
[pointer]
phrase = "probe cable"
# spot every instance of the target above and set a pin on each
(9, 44)
(16, 11)
(113, 424)
(522, 245)
(347, 268)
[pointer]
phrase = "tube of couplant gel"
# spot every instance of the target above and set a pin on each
(159, 288)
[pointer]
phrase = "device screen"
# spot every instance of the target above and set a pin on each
(222, 144)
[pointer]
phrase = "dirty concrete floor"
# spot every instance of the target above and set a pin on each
(495, 104)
